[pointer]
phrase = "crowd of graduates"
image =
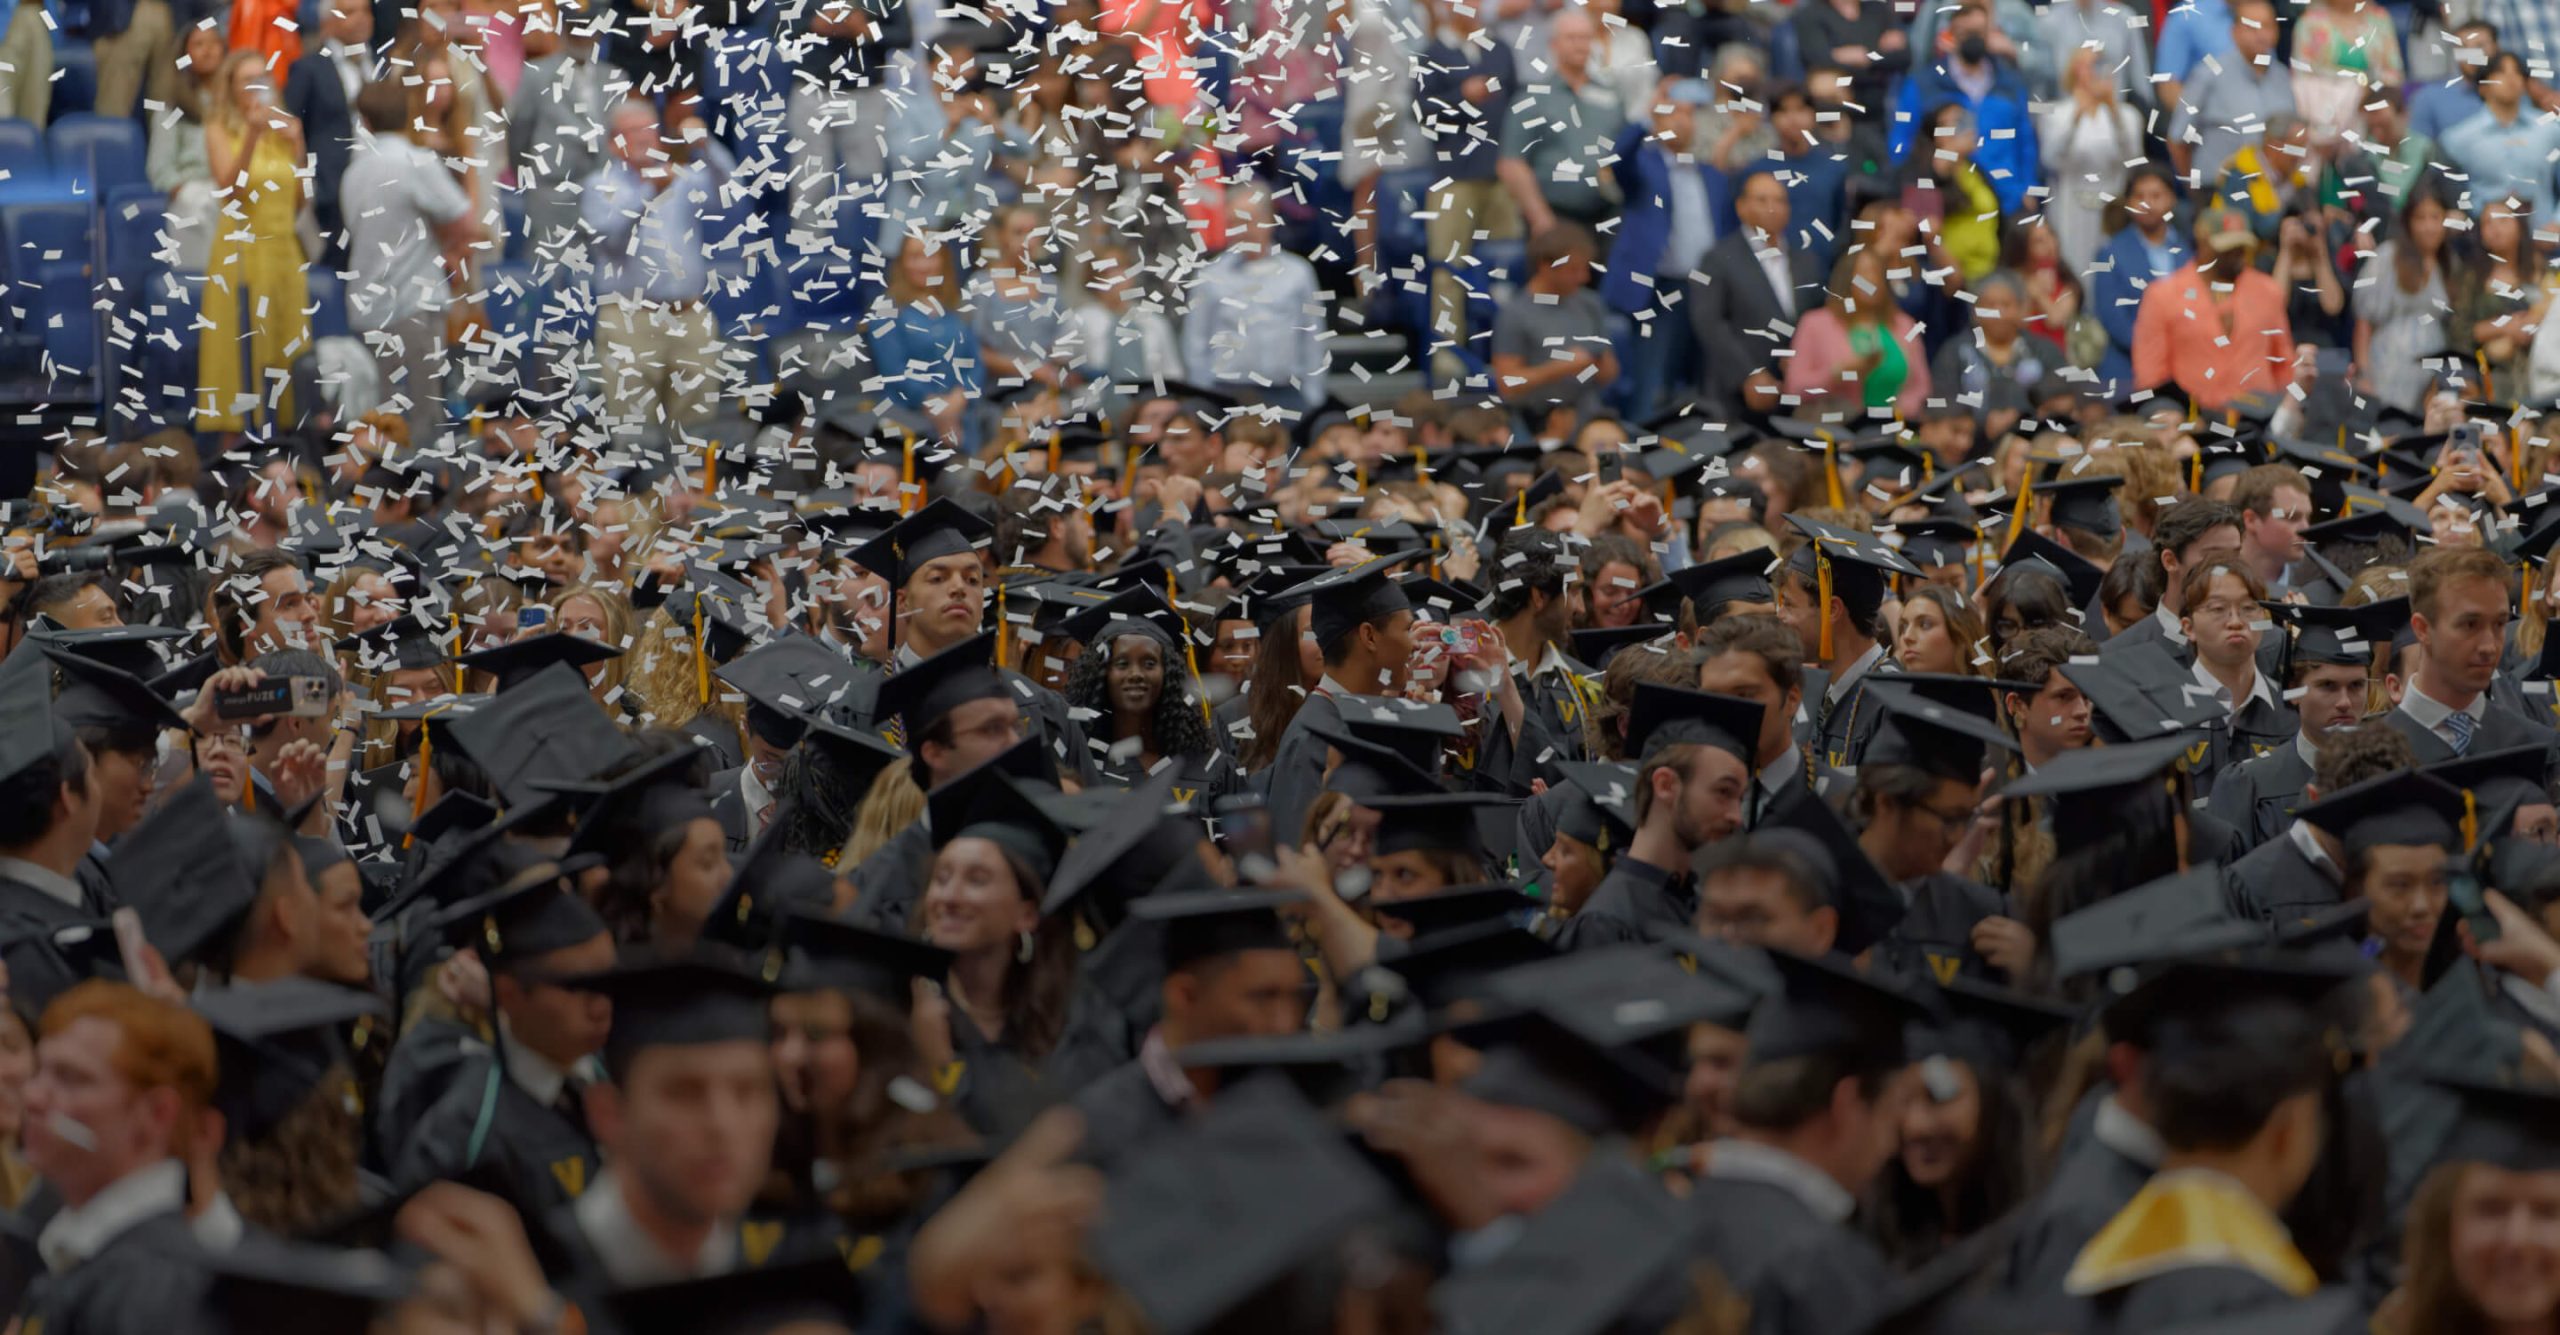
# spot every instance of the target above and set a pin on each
(1229, 869)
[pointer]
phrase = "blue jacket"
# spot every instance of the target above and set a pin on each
(2007, 154)
(922, 353)
(2116, 284)
(1644, 226)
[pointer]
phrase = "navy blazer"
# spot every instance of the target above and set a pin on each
(1644, 226)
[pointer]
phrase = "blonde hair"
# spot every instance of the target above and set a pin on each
(664, 674)
(221, 112)
(617, 633)
(894, 803)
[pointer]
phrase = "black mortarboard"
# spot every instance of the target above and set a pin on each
(818, 1293)
(2363, 528)
(2219, 458)
(547, 728)
(535, 912)
(706, 997)
(2100, 773)
(1661, 716)
(1222, 1209)
(1594, 648)
(1417, 730)
(96, 695)
(1370, 771)
(2345, 636)
(1127, 855)
(1989, 1027)
(2078, 573)
(1210, 924)
(2326, 467)
(943, 528)
(1463, 906)
(1740, 578)
(2123, 709)
(278, 1042)
(770, 880)
(1936, 738)
(850, 525)
(1933, 543)
(1139, 610)
(2498, 782)
(922, 695)
(2401, 808)
(1858, 563)
(1891, 463)
(1609, 1243)
(1440, 822)
(1870, 906)
(795, 675)
(2185, 914)
(826, 952)
(189, 873)
(1459, 964)
(1440, 600)
(1346, 598)
(519, 661)
(1598, 804)
(856, 756)
(1597, 1038)
(125, 648)
(1276, 590)
(991, 803)
(2086, 503)
(717, 611)
(30, 732)
(1827, 1008)
(279, 1285)
(2505, 1122)
(403, 645)
(2218, 981)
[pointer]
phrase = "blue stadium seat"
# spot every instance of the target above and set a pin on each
(132, 224)
(328, 294)
(96, 153)
(39, 235)
(75, 84)
(24, 166)
(67, 317)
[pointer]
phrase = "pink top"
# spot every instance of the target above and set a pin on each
(1822, 349)
(1163, 46)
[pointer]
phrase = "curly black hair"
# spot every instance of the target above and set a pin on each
(1177, 724)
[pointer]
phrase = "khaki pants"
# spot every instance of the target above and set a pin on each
(409, 355)
(141, 60)
(1460, 209)
(661, 362)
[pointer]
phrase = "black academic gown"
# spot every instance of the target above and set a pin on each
(50, 945)
(1297, 768)
(891, 880)
(2275, 883)
(2091, 1185)
(2258, 729)
(994, 1089)
(148, 1280)
(1123, 1116)
(1800, 1273)
(1838, 731)
(1199, 779)
(1935, 934)
(2256, 797)
(545, 1159)
(764, 1241)
(1552, 705)
(729, 807)
(2497, 730)
(1636, 902)
(1119, 996)
(1814, 781)
(721, 736)
(423, 1065)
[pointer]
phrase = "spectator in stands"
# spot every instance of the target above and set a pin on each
(1745, 298)
(1993, 368)
(551, 131)
(2436, 107)
(1116, 334)
(1734, 132)
(658, 345)
(2506, 147)
(2342, 51)
(943, 143)
(1013, 304)
(2501, 300)
(2088, 137)
(2227, 103)
(1672, 201)
(2215, 328)
(1467, 78)
(1552, 359)
(1859, 354)
(1815, 169)
(26, 64)
(254, 297)
(1946, 184)
(2113, 36)
(2263, 181)
(2402, 301)
(1864, 37)
(1256, 327)
(1561, 131)
(840, 104)
(320, 89)
(2193, 30)
(922, 346)
(449, 110)
(135, 43)
(2147, 245)
(1966, 71)
(175, 161)
(408, 223)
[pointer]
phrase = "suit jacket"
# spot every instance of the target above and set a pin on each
(2256, 797)
(1740, 325)
(314, 92)
(1644, 228)
(554, 138)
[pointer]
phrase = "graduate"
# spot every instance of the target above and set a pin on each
(1832, 593)
(1916, 795)
(1363, 628)
(1694, 773)
(2329, 680)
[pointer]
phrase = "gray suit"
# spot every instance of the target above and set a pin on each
(555, 138)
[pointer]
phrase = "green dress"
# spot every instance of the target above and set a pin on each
(1883, 385)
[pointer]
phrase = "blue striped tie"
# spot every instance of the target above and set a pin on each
(2460, 724)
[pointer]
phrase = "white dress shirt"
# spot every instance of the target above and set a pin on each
(53, 884)
(1782, 279)
(2258, 689)
(353, 67)
(533, 1073)
(2302, 747)
(1840, 685)
(2431, 712)
(757, 797)
(79, 1233)
(2169, 622)
(1751, 1161)
(2127, 1134)
(630, 1255)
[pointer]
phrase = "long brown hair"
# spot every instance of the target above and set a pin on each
(2430, 1300)
(1964, 626)
(302, 1172)
(1279, 687)
(1036, 991)
(873, 1126)
(946, 294)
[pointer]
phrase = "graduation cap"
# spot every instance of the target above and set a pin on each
(664, 792)
(825, 952)
(1888, 453)
(682, 1001)
(1605, 1245)
(2080, 575)
(943, 528)
(127, 649)
(1989, 1028)
(1939, 739)
(1346, 598)
(2366, 528)
(407, 644)
(519, 661)
(193, 870)
(2498, 782)
(1709, 587)
(821, 1292)
(1933, 544)
(96, 695)
(1440, 600)
(1597, 803)
(922, 695)
(548, 728)
(280, 1285)
(1128, 855)
(1438, 822)
(2326, 467)
(2102, 774)
(1662, 716)
(2340, 636)
(1418, 731)
(2403, 808)
(533, 913)
(30, 731)
(1596, 1038)
(1137, 610)
(279, 1040)
(2185, 914)
(2128, 711)
(2505, 1122)
(1827, 1008)
(991, 803)
(796, 676)
(1230, 1204)
(715, 610)
(2087, 503)
(2218, 457)
(1210, 924)
(1370, 771)
(1464, 906)
(1869, 906)
(1597, 646)
(849, 526)
(1459, 963)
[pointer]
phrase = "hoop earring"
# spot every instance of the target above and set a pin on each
(1023, 952)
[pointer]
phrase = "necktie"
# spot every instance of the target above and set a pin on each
(2460, 724)
(572, 1105)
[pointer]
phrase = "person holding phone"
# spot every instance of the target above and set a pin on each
(254, 296)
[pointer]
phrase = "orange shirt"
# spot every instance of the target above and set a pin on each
(254, 27)
(2215, 346)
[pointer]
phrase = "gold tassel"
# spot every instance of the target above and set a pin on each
(2018, 512)
(1831, 473)
(2470, 822)
(1004, 630)
(907, 477)
(710, 468)
(1421, 465)
(1822, 591)
(1053, 454)
(1190, 652)
(453, 620)
(2195, 473)
(1520, 515)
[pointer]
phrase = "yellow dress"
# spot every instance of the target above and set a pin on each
(255, 302)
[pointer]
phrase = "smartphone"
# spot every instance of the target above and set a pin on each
(1243, 826)
(1611, 467)
(300, 697)
(2462, 889)
(2463, 439)
(131, 943)
(532, 616)
(1460, 639)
